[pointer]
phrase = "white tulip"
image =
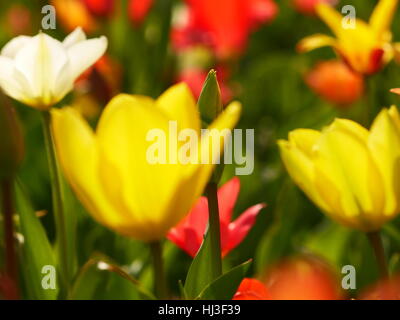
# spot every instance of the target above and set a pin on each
(39, 71)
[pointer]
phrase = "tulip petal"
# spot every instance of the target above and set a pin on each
(331, 17)
(189, 233)
(382, 16)
(239, 229)
(315, 41)
(198, 217)
(186, 239)
(354, 174)
(384, 143)
(227, 196)
(7, 80)
(252, 289)
(74, 37)
(296, 156)
(213, 146)
(77, 153)
(178, 104)
(84, 54)
(14, 45)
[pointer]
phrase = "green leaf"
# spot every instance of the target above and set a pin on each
(182, 290)
(224, 287)
(101, 278)
(200, 272)
(36, 251)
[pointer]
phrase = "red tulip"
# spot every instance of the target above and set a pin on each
(308, 6)
(188, 234)
(336, 82)
(252, 289)
(225, 24)
(101, 8)
(138, 10)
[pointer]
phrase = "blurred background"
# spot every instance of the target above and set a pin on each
(252, 45)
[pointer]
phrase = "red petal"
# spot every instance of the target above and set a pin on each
(376, 61)
(251, 289)
(188, 234)
(241, 227)
(138, 10)
(227, 197)
(186, 239)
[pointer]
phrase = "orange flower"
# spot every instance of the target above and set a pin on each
(302, 279)
(334, 81)
(73, 14)
(388, 289)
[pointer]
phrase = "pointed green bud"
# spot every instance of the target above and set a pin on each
(11, 139)
(210, 103)
(210, 106)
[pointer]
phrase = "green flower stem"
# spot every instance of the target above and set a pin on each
(214, 228)
(158, 265)
(11, 265)
(376, 243)
(57, 200)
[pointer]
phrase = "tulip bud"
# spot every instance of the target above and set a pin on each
(11, 139)
(210, 106)
(210, 103)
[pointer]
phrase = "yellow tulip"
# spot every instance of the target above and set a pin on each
(367, 46)
(350, 173)
(109, 171)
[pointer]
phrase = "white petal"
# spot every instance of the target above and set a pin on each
(74, 37)
(40, 61)
(84, 54)
(7, 81)
(13, 46)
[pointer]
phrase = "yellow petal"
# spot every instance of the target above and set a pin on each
(384, 143)
(178, 104)
(142, 188)
(382, 15)
(331, 17)
(343, 160)
(78, 155)
(315, 41)
(304, 140)
(394, 114)
(301, 168)
(212, 144)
